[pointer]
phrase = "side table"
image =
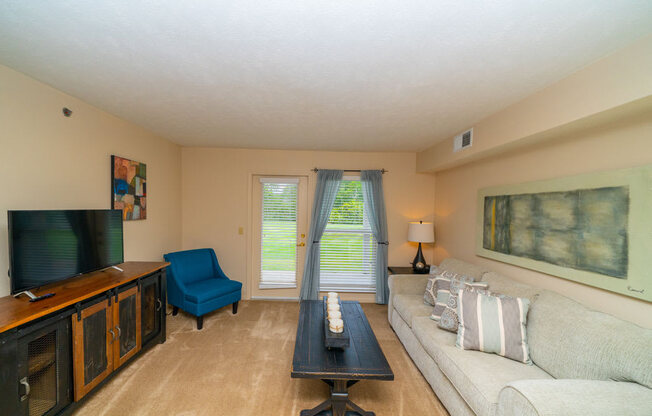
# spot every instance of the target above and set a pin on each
(402, 270)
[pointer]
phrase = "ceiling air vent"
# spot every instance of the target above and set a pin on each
(462, 141)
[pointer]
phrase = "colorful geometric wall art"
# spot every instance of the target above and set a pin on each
(594, 228)
(129, 188)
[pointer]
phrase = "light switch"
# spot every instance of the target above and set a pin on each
(240, 230)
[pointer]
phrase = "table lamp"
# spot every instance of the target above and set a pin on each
(420, 232)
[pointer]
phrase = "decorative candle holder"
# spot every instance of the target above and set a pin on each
(336, 334)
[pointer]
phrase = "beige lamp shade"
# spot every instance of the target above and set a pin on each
(421, 232)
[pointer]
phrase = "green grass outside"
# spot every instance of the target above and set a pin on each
(280, 256)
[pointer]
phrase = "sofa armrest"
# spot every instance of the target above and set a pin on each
(574, 397)
(408, 284)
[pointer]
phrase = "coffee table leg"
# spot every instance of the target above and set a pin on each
(358, 409)
(339, 400)
(318, 409)
(339, 397)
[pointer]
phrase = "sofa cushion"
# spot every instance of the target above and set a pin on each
(506, 286)
(410, 306)
(462, 267)
(431, 337)
(205, 290)
(477, 376)
(569, 340)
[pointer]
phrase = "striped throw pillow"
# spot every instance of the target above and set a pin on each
(494, 324)
(444, 287)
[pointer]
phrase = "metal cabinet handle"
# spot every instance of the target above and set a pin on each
(25, 383)
(119, 331)
(159, 305)
(113, 335)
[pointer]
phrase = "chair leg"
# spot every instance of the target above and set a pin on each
(235, 307)
(175, 310)
(200, 322)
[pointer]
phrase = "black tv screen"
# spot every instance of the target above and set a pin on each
(48, 246)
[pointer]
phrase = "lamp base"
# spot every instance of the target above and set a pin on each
(419, 263)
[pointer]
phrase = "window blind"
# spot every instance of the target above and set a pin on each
(278, 259)
(348, 247)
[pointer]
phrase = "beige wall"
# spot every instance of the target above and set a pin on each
(618, 79)
(48, 161)
(621, 144)
(216, 196)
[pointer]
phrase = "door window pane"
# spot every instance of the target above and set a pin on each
(278, 260)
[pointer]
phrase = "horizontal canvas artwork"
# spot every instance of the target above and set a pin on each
(595, 228)
(584, 229)
(129, 188)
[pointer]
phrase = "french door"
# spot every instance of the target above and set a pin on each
(280, 206)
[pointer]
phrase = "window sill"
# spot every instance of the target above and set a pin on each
(276, 286)
(346, 289)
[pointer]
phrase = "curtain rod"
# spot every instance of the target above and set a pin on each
(352, 170)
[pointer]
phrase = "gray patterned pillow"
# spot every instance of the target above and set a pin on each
(449, 319)
(444, 287)
(430, 296)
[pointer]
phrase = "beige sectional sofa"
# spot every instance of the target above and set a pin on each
(585, 362)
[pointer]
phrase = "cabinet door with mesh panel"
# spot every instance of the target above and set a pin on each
(126, 320)
(44, 370)
(93, 338)
(151, 307)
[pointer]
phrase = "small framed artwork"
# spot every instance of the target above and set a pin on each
(129, 188)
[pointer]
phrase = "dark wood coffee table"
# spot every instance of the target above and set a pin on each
(339, 368)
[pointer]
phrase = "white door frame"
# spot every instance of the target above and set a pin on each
(249, 232)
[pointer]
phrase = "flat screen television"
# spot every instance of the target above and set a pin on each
(48, 246)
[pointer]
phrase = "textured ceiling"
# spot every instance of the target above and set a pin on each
(330, 75)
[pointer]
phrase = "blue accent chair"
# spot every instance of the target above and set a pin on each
(197, 284)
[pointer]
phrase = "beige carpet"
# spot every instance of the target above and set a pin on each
(240, 365)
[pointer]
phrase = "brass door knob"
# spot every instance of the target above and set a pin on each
(301, 244)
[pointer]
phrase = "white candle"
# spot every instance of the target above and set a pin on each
(333, 314)
(333, 306)
(336, 325)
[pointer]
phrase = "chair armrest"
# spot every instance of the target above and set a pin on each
(574, 397)
(408, 284)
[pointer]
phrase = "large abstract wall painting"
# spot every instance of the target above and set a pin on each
(129, 188)
(595, 229)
